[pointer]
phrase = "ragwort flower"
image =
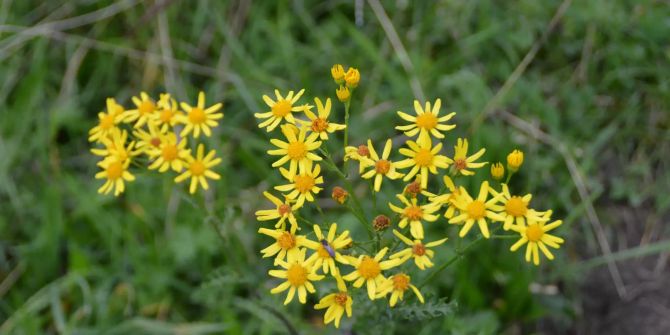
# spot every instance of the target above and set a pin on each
(299, 275)
(426, 122)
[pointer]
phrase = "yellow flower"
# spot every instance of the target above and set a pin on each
(336, 304)
(297, 151)
(319, 124)
(283, 212)
(337, 71)
(286, 243)
(476, 210)
(497, 171)
(514, 160)
(461, 160)
(360, 154)
(107, 121)
(199, 118)
(168, 113)
(326, 250)
(417, 250)
(516, 208)
(383, 167)
(146, 108)
(423, 158)
(352, 77)
(369, 271)
(426, 122)
(413, 214)
(302, 186)
(449, 199)
(298, 274)
(116, 172)
(397, 285)
(198, 168)
(535, 234)
(281, 109)
(115, 146)
(146, 141)
(343, 94)
(170, 153)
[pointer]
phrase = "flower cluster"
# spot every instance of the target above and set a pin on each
(421, 164)
(159, 134)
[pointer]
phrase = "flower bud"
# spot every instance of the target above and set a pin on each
(339, 195)
(381, 222)
(343, 94)
(514, 160)
(337, 71)
(352, 77)
(497, 171)
(413, 189)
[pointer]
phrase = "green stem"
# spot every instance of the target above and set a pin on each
(452, 260)
(346, 134)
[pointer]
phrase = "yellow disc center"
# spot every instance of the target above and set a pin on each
(341, 298)
(323, 252)
(296, 150)
(197, 116)
(166, 115)
(107, 121)
(146, 107)
(197, 168)
(423, 158)
(286, 240)
(476, 210)
(304, 183)
(281, 108)
(170, 152)
(534, 232)
(516, 207)
(319, 125)
(369, 268)
(426, 121)
(115, 170)
(413, 213)
(400, 282)
(383, 166)
(296, 275)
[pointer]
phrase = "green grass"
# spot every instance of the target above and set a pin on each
(72, 261)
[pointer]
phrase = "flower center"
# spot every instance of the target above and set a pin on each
(284, 209)
(146, 107)
(426, 121)
(303, 183)
(534, 232)
(400, 282)
(341, 298)
(197, 115)
(476, 210)
(460, 164)
(296, 150)
(286, 241)
(319, 125)
(516, 207)
(363, 150)
(166, 115)
(107, 121)
(155, 141)
(323, 252)
(383, 166)
(369, 268)
(423, 158)
(414, 213)
(281, 108)
(296, 275)
(115, 170)
(170, 152)
(419, 249)
(197, 168)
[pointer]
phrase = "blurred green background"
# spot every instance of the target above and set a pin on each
(581, 86)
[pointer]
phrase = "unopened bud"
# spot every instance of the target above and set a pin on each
(381, 222)
(339, 195)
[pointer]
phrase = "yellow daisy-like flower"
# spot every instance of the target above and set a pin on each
(199, 169)
(298, 274)
(284, 211)
(286, 243)
(326, 252)
(476, 210)
(280, 109)
(116, 172)
(168, 113)
(298, 150)
(336, 304)
(107, 121)
(448, 199)
(149, 140)
(427, 121)
(170, 153)
(146, 108)
(397, 285)
(360, 154)
(303, 185)
(383, 167)
(115, 146)
(319, 123)
(515, 208)
(369, 271)
(461, 160)
(423, 158)
(199, 118)
(417, 250)
(535, 234)
(413, 214)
